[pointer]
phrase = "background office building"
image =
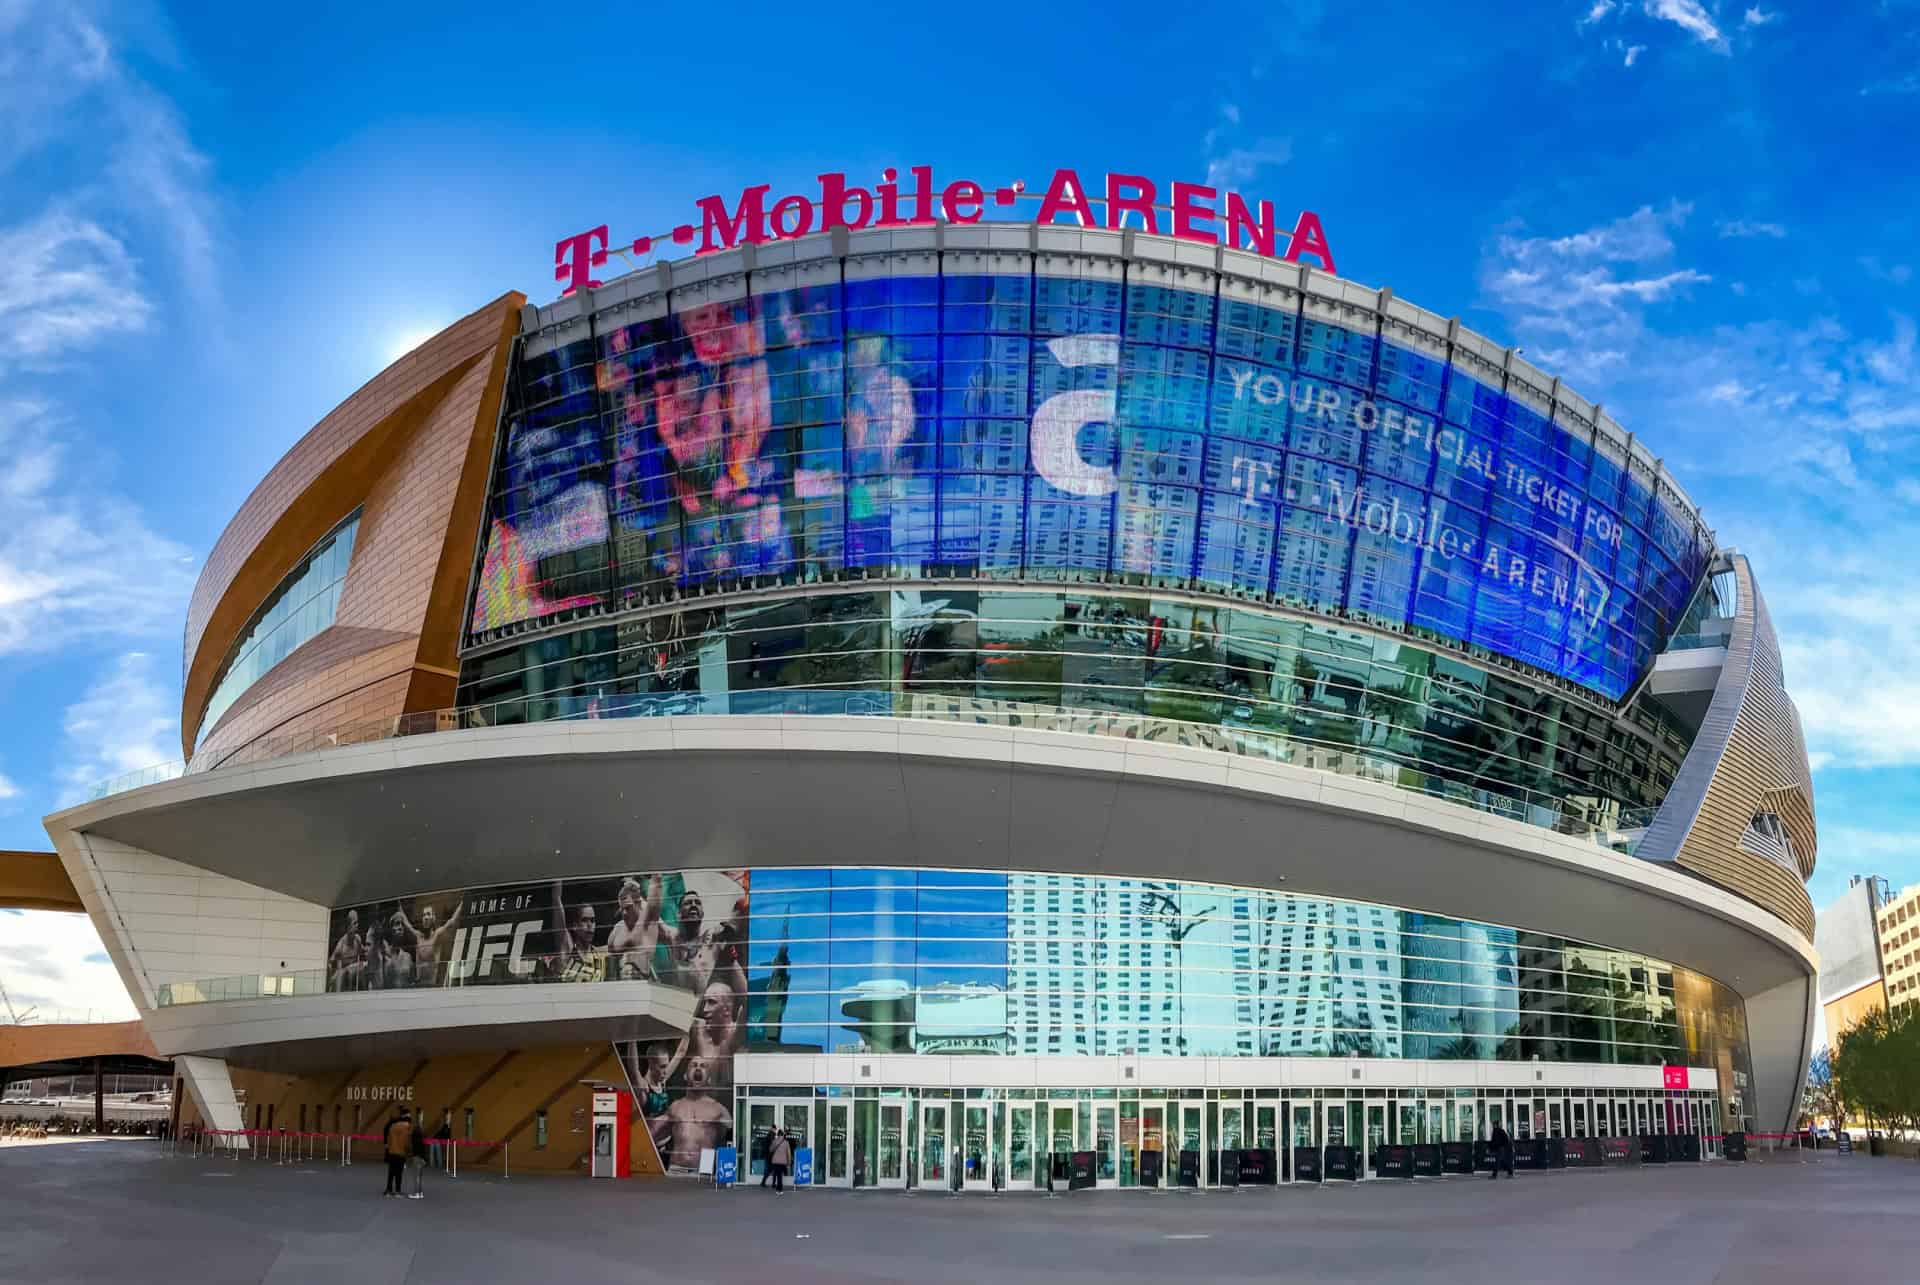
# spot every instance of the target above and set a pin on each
(967, 693)
(1899, 923)
(1850, 935)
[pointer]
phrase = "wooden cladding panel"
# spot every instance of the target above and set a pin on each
(505, 1089)
(1762, 770)
(410, 449)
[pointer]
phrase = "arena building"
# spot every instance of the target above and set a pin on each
(970, 692)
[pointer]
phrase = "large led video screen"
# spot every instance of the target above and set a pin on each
(1056, 429)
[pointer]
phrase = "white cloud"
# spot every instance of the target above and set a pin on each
(1633, 54)
(1691, 17)
(1239, 164)
(128, 720)
(1858, 709)
(1806, 432)
(64, 283)
(1600, 9)
(55, 965)
(1232, 112)
(1758, 17)
(77, 562)
(1897, 274)
(161, 171)
(64, 87)
(1737, 228)
(1577, 301)
(8, 790)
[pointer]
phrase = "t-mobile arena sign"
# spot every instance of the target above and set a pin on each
(1192, 212)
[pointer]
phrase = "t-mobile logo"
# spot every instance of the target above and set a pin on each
(476, 949)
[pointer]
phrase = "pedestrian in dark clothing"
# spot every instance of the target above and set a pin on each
(399, 1147)
(1500, 1150)
(779, 1156)
(443, 1141)
(417, 1161)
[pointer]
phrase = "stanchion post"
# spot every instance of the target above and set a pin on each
(456, 1157)
(506, 1162)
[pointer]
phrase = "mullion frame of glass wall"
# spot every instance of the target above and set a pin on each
(333, 555)
(1529, 1018)
(1298, 362)
(1554, 764)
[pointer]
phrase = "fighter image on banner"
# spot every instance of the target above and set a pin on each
(686, 929)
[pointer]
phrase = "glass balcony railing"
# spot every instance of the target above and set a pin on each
(1604, 822)
(351, 976)
(1693, 642)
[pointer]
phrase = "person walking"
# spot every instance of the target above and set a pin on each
(1500, 1145)
(779, 1156)
(443, 1139)
(399, 1144)
(417, 1161)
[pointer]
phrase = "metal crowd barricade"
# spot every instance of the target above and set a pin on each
(453, 1146)
(293, 1146)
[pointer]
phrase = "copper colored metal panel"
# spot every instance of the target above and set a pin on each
(36, 881)
(402, 450)
(67, 1041)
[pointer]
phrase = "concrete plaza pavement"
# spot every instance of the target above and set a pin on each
(123, 1211)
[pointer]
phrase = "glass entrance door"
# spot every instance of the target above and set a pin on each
(976, 1146)
(1153, 1139)
(934, 1158)
(1227, 1146)
(890, 1167)
(839, 1158)
(1023, 1148)
(1300, 1133)
(1060, 1140)
(1376, 1137)
(1266, 1134)
(1190, 1134)
(1106, 1145)
(762, 1116)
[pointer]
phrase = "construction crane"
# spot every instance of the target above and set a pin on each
(14, 1016)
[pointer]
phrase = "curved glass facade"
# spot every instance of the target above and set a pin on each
(300, 606)
(1432, 721)
(978, 962)
(1055, 429)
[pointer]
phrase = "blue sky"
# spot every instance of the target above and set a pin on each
(217, 221)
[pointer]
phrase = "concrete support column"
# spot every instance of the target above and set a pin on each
(211, 1085)
(1780, 1038)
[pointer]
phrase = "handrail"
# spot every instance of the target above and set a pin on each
(399, 972)
(1609, 826)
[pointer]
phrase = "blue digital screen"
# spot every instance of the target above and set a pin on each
(1062, 429)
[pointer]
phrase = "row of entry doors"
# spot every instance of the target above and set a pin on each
(986, 1144)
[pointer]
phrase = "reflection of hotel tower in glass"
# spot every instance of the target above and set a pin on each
(1096, 664)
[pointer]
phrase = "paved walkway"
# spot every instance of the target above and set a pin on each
(122, 1213)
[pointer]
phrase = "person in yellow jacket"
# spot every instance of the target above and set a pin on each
(399, 1147)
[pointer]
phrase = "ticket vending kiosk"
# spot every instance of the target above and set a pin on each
(612, 1133)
